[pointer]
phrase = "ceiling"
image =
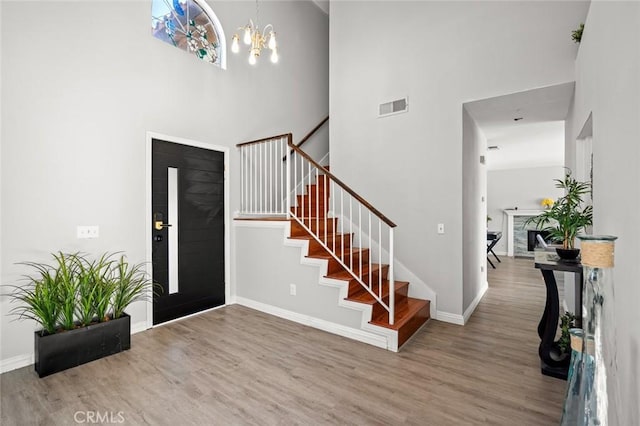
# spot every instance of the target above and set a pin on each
(536, 139)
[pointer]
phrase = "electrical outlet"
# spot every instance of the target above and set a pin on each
(441, 228)
(292, 289)
(84, 232)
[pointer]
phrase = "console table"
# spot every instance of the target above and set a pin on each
(552, 362)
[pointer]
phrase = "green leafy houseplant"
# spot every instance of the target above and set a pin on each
(76, 291)
(567, 321)
(566, 218)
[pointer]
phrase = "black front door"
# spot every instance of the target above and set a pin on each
(188, 229)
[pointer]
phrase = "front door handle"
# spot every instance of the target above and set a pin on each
(158, 222)
(160, 226)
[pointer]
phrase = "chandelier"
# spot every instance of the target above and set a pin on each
(256, 40)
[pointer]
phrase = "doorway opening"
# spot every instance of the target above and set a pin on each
(513, 149)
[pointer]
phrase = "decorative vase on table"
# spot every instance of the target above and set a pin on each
(598, 347)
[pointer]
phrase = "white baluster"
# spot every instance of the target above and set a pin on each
(333, 217)
(285, 210)
(360, 236)
(370, 257)
(325, 200)
(392, 286)
(351, 233)
(380, 257)
(308, 190)
(342, 223)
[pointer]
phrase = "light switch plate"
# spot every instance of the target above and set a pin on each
(85, 232)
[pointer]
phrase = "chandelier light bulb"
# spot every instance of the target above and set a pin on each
(235, 44)
(255, 39)
(272, 40)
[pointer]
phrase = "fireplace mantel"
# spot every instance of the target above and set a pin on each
(510, 213)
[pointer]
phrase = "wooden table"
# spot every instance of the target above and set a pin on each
(552, 362)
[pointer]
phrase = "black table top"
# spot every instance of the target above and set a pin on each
(494, 235)
(558, 265)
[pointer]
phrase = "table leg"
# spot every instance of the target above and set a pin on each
(553, 363)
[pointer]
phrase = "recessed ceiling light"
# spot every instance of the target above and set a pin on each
(493, 148)
(518, 118)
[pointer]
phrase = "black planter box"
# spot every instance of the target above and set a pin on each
(57, 352)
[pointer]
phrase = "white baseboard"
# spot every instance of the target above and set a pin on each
(462, 319)
(474, 303)
(330, 327)
(449, 317)
(15, 362)
(139, 326)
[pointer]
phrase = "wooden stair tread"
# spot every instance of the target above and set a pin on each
(404, 313)
(310, 237)
(366, 297)
(347, 252)
(346, 276)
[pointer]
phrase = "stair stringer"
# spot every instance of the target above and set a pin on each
(391, 336)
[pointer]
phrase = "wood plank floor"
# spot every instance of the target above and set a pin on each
(239, 366)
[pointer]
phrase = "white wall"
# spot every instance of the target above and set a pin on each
(82, 86)
(440, 54)
(474, 207)
(274, 266)
(522, 188)
(608, 85)
(317, 146)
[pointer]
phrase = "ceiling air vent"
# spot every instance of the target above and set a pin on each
(393, 107)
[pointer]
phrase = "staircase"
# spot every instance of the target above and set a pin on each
(410, 313)
(354, 239)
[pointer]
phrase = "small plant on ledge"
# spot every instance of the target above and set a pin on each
(576, 35)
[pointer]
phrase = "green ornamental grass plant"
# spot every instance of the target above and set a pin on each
(66, 287)
(38, 297)
(75, 291)
(130, 284)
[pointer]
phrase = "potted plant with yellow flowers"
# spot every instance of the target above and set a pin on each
(567, 216)
(547, 203)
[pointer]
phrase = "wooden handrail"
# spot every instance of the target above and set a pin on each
(308, 136)
(264, 139)
(343, 186)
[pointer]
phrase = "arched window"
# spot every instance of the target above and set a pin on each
(192, 26)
